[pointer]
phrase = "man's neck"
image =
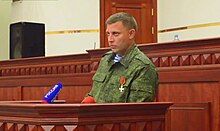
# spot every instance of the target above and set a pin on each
(129, 47)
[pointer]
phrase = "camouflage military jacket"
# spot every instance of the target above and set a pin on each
(139, 78)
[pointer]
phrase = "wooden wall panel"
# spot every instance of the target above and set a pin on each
(189, 71)
(34, 92)
(9, 93)
(189, 92)
(34, 87)
(73, 94)
(192, 84)
(193, 92)
(189, 117)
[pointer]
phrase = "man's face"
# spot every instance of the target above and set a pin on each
(119, 38)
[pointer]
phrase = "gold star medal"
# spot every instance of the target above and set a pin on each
(122, 82)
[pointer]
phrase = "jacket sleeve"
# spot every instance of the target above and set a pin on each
(144, 86)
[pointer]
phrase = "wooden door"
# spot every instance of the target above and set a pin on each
(144, 11)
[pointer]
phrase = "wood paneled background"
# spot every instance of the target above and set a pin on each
(189, 73)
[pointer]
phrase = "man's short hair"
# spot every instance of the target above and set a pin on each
(127, 20)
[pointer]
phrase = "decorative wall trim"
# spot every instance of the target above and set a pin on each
(189, 27)
(71, 31)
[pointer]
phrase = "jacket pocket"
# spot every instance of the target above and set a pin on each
(99, 77)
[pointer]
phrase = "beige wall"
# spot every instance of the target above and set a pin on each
(61, 15)
(181, 13)
(5, 13)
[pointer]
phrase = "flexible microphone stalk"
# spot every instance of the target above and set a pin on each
(52, 93)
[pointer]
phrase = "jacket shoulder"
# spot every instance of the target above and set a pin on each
(107, 54)
(143, 58)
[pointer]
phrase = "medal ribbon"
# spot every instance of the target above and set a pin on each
(122, 80)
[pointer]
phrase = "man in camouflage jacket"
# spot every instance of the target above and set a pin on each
(125, 74)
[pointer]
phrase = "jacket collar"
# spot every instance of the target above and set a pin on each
(125, 60)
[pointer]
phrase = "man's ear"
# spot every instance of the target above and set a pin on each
(132, 33)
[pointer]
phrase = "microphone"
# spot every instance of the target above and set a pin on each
(52, 93)
(88, 100)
